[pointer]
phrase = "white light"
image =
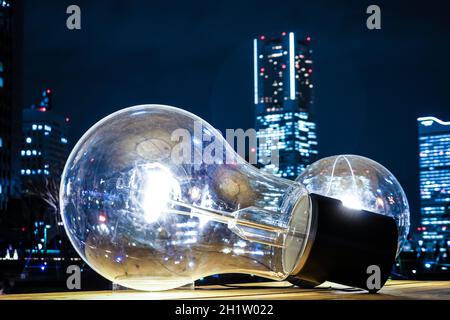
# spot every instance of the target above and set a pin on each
(29, 140)
(292, 64)
(195, 193)
(160, 188)
(429, 120)
(352, 202)
(427, 265)
(255, 68)
(226, 250)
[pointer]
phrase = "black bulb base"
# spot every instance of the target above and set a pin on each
(350, 247)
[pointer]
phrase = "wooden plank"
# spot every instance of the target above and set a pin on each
(393, 290)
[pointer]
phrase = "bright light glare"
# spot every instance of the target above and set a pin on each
(160, 188)
(351, 201)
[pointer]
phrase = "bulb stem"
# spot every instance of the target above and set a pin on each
(223, 217)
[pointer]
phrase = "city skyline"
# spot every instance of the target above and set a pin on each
(365, 80)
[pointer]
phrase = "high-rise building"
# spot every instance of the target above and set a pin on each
(434, 163)
(45, 145)
(10, 62)
(283, 87)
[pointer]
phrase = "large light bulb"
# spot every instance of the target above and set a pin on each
(153, 198)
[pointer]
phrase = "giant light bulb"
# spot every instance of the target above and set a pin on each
(153, 198)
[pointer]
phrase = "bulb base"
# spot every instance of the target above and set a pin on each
(351, 247)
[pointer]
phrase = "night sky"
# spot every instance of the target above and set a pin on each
(370, 86)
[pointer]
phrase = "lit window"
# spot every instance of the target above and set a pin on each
(34, 127)
(1, 82)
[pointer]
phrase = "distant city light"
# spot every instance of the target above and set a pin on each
(434, 161)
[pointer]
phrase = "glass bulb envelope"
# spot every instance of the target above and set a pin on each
(153, 198)
(360, 183)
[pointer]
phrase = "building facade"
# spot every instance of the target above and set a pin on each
(283, 96)
(434, 163)
(45, 146)
(10, 56)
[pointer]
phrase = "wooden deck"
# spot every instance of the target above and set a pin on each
(394, 290)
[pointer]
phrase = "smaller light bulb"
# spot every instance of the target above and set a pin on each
(361, 184)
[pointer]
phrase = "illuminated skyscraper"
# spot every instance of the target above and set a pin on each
(283, 97)
(10, 56)
(434, 162)
(45, 145)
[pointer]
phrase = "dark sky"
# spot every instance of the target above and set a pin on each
(370, 86)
